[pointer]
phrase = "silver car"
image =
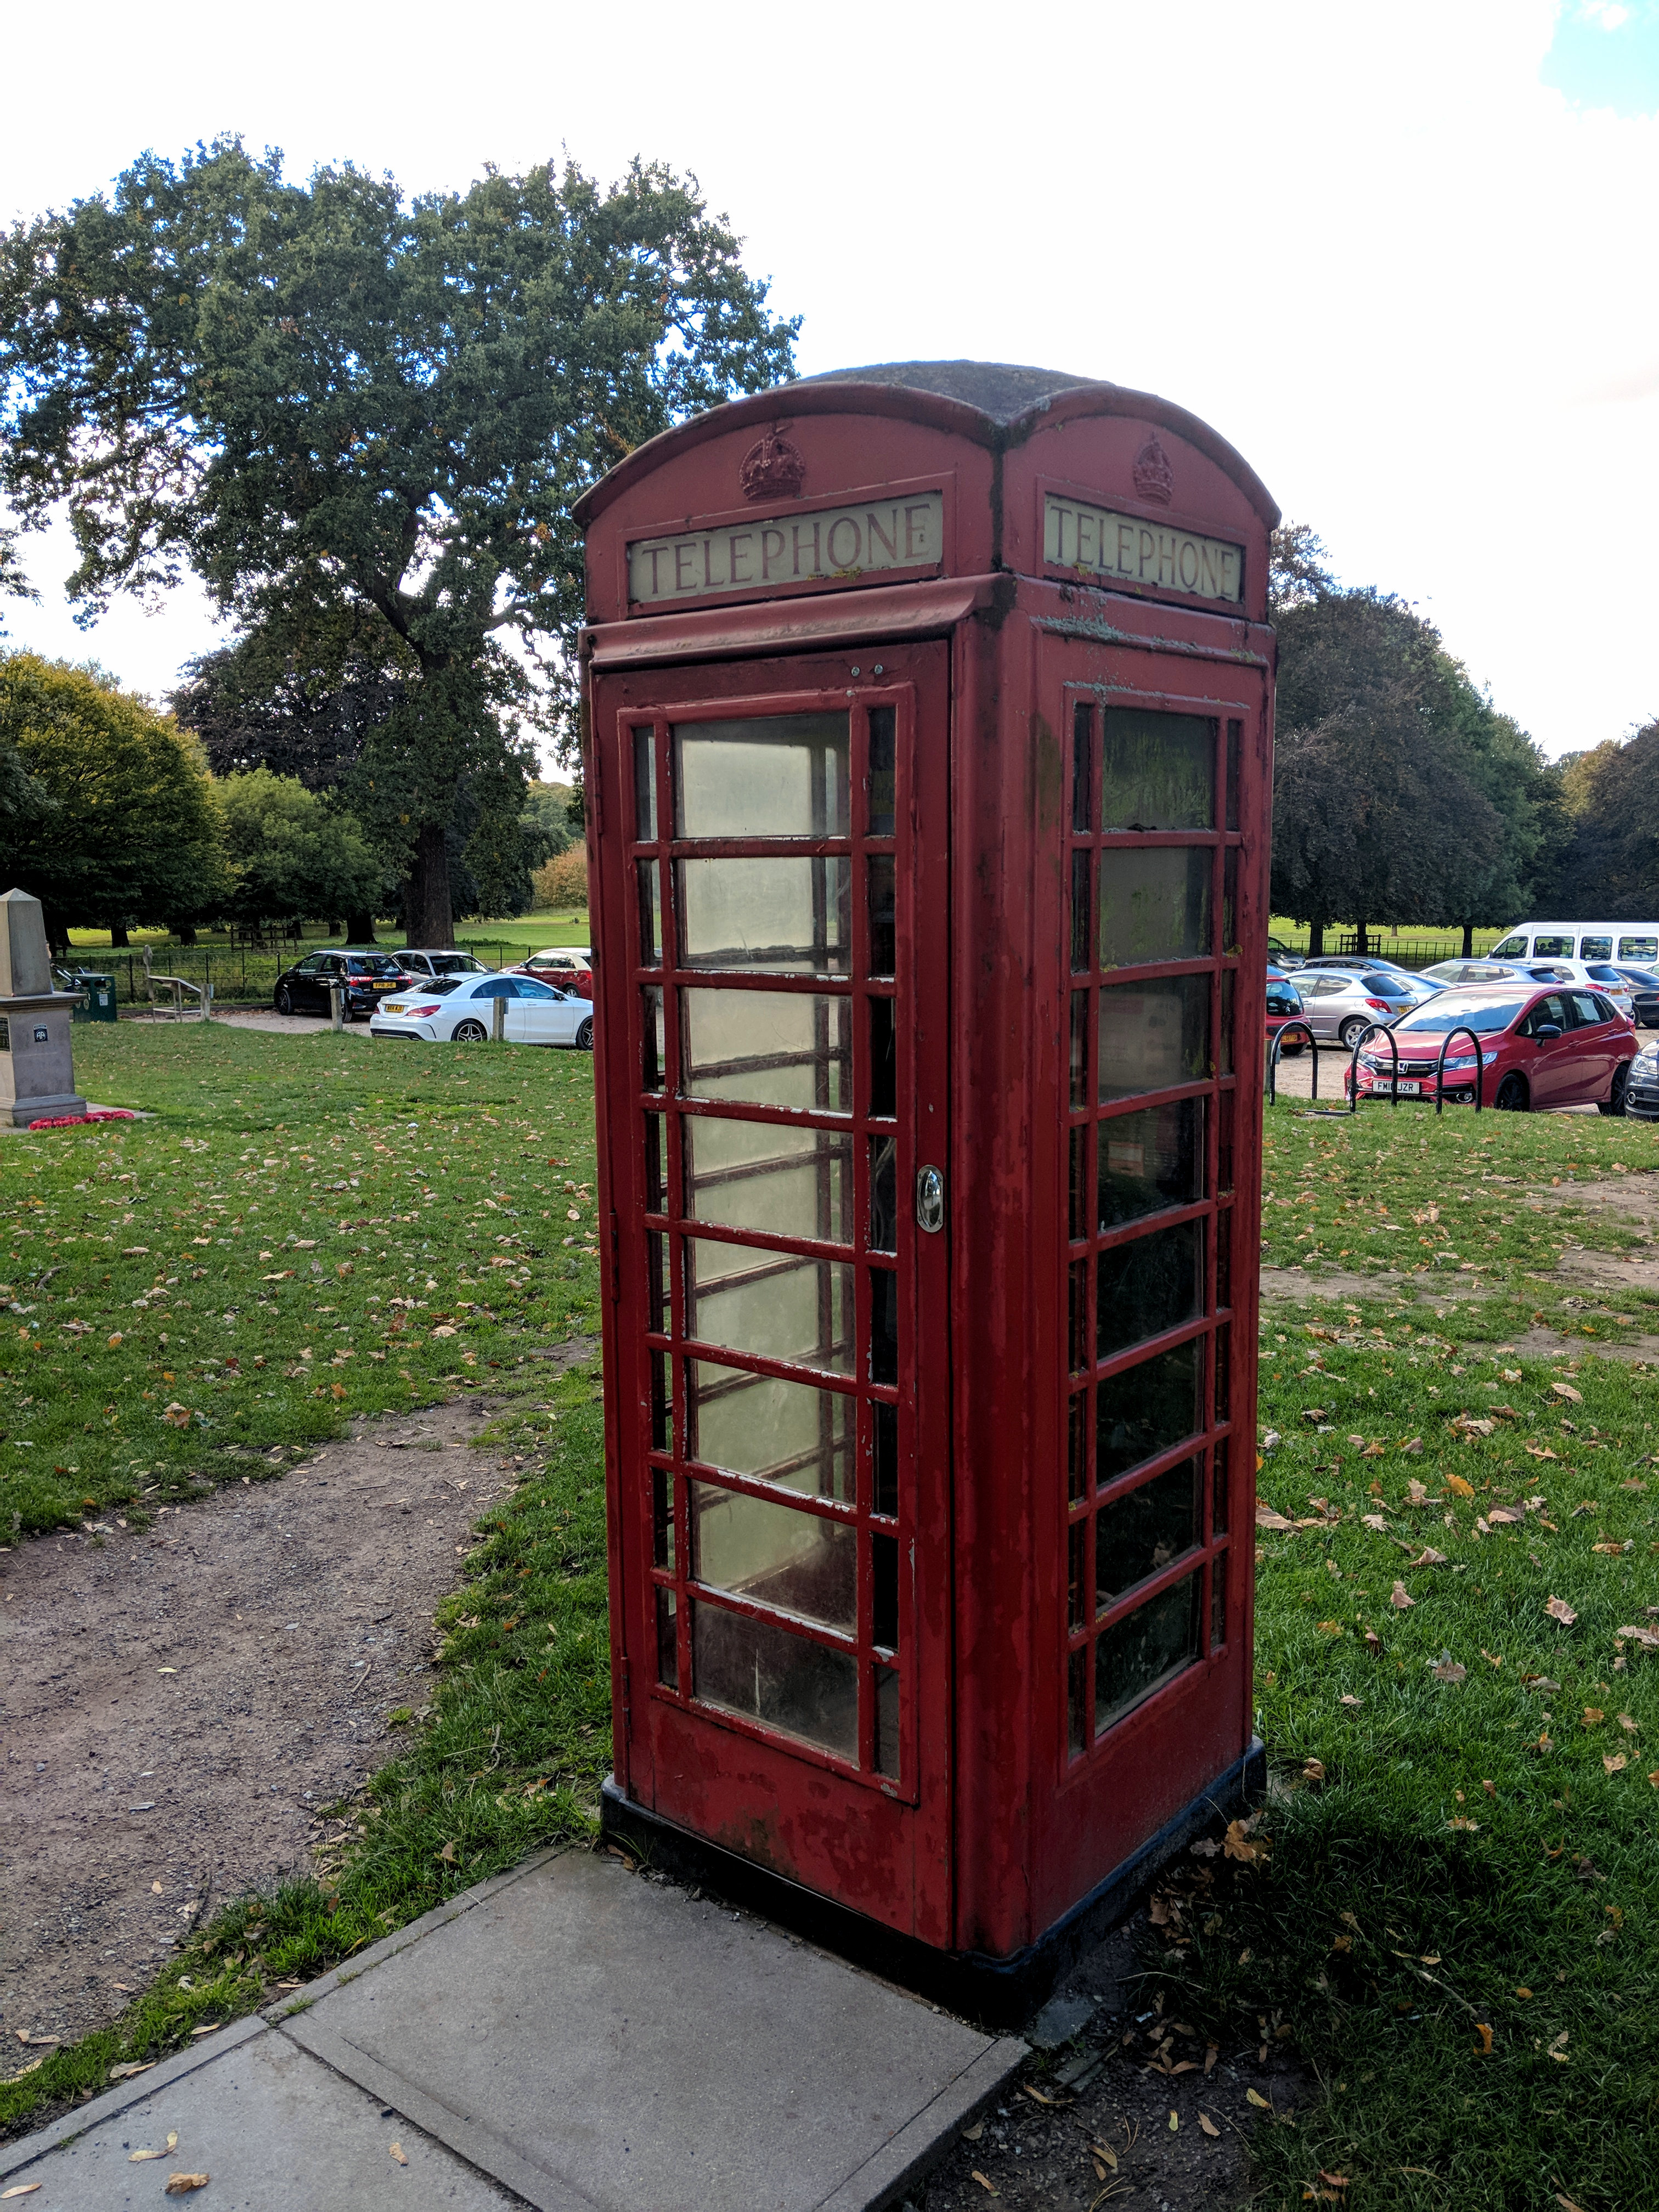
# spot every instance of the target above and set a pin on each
(1340, 1003)
(1474, 971)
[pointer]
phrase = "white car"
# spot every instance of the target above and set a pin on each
(461, 1010)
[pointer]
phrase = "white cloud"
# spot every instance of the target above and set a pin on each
(1403, 276)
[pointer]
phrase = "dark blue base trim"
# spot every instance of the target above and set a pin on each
(999, 1993)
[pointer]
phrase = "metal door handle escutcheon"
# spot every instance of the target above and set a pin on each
(930, 1200)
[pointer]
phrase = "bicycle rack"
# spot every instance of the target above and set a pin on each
(1376, 1028)
(1279, 1037)
(1440, 1068)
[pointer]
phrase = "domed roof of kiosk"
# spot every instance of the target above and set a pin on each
(995, 403)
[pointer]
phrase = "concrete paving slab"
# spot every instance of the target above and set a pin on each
(273, 2129)
(591, 2040)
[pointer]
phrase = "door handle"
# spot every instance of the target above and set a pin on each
(930, 1200)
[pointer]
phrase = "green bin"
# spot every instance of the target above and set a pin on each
(101, 996)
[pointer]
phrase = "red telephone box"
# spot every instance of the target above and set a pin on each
(929, 738)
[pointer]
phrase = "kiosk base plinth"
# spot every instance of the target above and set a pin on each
(996, 1993)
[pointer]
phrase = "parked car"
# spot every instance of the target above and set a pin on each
(1281, 954)
(1448, 972)
(1642, 1092)
(1283, 1004)
(1598, 973)
(1644, 988)
(566, 966)
(442, 963)
(1339, 1003)
(1538, 1049)
(366, 977)
(460, 1010)
(1582, 940)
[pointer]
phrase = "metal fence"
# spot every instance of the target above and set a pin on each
(239, 971)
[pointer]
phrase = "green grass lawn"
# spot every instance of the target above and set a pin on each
(1461, 1846)
(1464, 1834)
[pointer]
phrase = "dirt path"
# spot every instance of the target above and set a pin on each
(177, 1706)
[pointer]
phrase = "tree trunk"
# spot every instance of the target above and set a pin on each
(428, 919)
(1469, 941)
(1360, 946)
(359, 929)
(118, 935)
(1315, 938)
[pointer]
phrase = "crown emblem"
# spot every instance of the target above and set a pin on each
(1154, 478)
(772, 468)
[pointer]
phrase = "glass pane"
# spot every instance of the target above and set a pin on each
(1074, 1560)
(1077, 1300)
(658, 1301)
(883, 1195)
(1153, 1036)
(1157, 771)
(654, 1056)
(661, 1409)
(758, 1425)
(779, 775)
(1137, 1655)
(767, 1048)
(1223, 1350)
(644, 786)
(1223, 1172)
(1136, 1535)
(668, 1655)
(884, 1064)
(1150, 1284)
(773, 1305)
(1227, 977)
(887, 1721)
(884, 1433)
(1077, 1441)
(755, 1175)
(776, 1555)
(787, 915)
(1230, 899)
(1083, 723)
(757, 1669)
(1218, 1487)
(650, 891)
(882, 788)
(1154, 904)
(884, 1592)
(883, 1325)
(1145, 1409)
(1223, 1260)
(1150, 1160)
(1081, 910)
(1219, 1601)
(662, 1518)
(1079, 1048)
(882, 950)
(1235, 736)
(1077, 1206)
(656, 1162)
(1076, 1701)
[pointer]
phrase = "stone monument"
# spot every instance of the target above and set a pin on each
(37, 1065)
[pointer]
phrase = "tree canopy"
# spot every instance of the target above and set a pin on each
(288, 854)
(351, 412)
(1401, 793)
(126, 829)
(1609, 866)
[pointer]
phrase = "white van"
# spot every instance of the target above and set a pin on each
(1634, 943)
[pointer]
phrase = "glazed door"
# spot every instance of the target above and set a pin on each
(773, 1037)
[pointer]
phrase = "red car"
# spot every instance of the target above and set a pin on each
(1283, 1004)
(568, 967)
(1538, 1049)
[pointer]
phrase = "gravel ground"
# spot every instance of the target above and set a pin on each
(177, 1705)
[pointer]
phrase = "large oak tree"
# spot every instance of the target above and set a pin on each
(342, 407)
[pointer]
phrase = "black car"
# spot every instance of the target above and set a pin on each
(366, 976)
(1644, 996)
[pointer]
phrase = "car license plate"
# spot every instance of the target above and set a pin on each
(1409, 1086)
(389, 1008)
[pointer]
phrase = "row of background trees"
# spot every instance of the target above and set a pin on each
(116, 814)
(1402, 796)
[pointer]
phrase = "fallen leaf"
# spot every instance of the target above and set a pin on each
(130, 2067)
(1559, 1609)
(1313, 1770)
(1209, 2127)
(180, 2184)
(1566, 2204)
(1375, 1521)
(1501, 1516)
(1175, 2122)
(155, 1889)
(1615, 1761)
(1594, 1717)
(1458, 1487)
(1538, 1682)
(1629, 1726)
(1401, 1598)
(22, 2189)
(1557, 2051)
(1417, 1494)
(447, 1854)
(1458, 1821)
(1565, 1390)
(1483, 2047)
(1105, 2153)
(973, 2133)
(1212, 2051)
(1649, 1637)
(989, 2187)
(1267, 1518)
(1428, 1558)
(138, 2157)
(1540, 1452)
(396, 2150)
(1333, 2180)
(1239, 1846)
(1447, 1669)
(1255, 2098)
(1347, 1698)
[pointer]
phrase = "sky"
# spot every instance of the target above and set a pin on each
(1400, 253)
